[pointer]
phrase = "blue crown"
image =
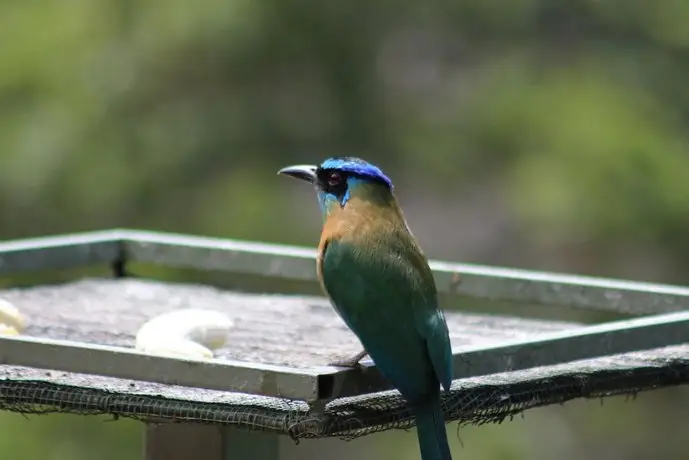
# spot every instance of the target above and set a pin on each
(358, 167)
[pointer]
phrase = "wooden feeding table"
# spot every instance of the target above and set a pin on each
(269, 381)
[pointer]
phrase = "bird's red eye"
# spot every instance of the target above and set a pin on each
(334, 179)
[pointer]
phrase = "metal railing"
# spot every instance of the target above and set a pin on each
(669, 326)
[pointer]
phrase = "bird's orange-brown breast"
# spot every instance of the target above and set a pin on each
(371, 218)
(365, 216)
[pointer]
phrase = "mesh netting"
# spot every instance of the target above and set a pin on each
(475, 401)
(301, 333)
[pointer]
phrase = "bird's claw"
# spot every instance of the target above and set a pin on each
(344, 363)
(351, 362)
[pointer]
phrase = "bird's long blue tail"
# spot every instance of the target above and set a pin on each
(430, 428)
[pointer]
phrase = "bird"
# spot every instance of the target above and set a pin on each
(378, 280)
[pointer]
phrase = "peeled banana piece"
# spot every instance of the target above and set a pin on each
(192, 333)
(12, 322)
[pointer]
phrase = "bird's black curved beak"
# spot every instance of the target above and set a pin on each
(304, 172)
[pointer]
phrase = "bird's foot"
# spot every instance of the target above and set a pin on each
(352, 361)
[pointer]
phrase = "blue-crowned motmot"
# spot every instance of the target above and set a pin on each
(378, 280)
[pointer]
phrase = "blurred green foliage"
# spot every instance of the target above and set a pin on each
(68, 437)
(541, 133)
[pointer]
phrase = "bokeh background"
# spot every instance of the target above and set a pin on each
(543, 134)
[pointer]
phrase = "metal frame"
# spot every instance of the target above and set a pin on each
(117, 247)
(325, 383)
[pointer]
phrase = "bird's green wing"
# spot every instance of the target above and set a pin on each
(431, 322)
(385, 296)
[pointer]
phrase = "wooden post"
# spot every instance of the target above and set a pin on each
(189, 441)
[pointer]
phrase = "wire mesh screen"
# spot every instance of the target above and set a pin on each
(490, 399)
(302, 333)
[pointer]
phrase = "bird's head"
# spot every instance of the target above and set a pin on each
(337, 178)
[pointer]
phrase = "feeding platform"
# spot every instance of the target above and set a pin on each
(77, 354)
